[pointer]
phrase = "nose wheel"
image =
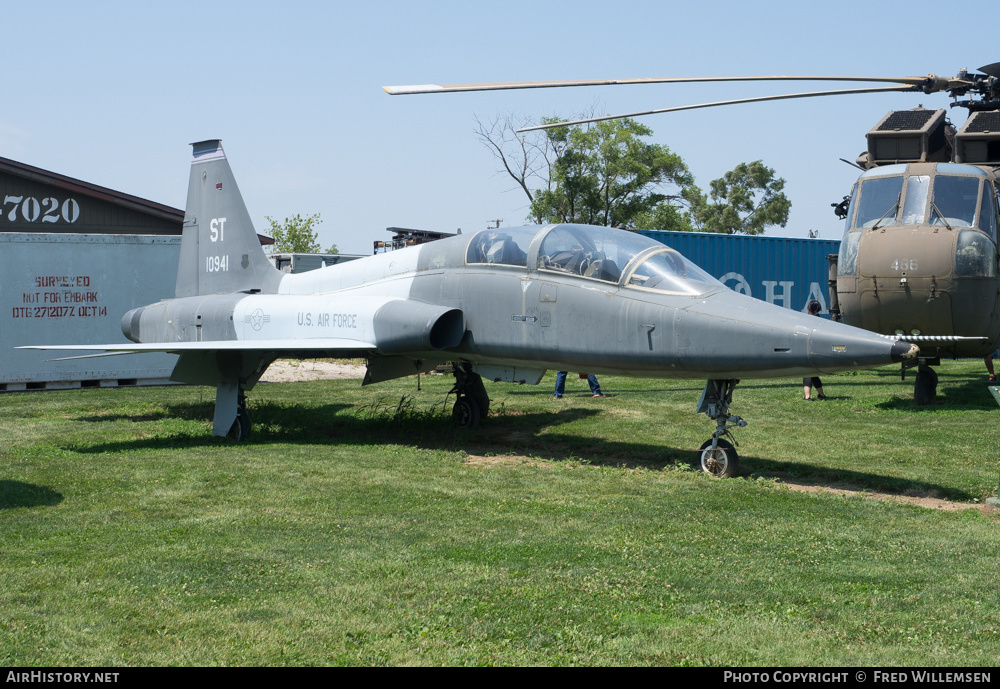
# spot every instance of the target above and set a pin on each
(925, 387)
(718, 456)
(721, 460)
(925, 383)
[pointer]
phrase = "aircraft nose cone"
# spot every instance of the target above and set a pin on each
(901, 351)
(837, 347)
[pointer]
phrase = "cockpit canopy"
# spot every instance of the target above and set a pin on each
(603, 254)
(947, 194)
(961, 198)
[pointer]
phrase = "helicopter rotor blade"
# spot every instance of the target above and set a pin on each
(810, 94)
(929, 83)
(991, 70)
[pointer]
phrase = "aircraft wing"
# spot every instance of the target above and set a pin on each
(335, 346)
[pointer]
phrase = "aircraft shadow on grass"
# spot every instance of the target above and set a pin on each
(19, 494)
(970, 394)
(502, 434)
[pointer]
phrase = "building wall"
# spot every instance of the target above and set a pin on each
(75, 257)
(35, 202)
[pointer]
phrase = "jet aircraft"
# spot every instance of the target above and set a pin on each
(504, 304)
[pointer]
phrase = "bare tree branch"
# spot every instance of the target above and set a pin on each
(520, 155)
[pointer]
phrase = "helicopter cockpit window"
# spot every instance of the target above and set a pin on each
(879, 201)
(850, 207)
(669, 271)
(988, 213)
(974, 255)
(847, 262)
(506, 246)
(915, 204)
(590, 252)
(954, 201)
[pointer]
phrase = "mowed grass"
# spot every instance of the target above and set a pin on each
(358, 527)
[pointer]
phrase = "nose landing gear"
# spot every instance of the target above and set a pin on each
(718, 456)
(925, 385)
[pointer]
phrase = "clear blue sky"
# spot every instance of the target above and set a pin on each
(113, 92)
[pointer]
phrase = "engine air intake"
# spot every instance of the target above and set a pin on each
(909, 136)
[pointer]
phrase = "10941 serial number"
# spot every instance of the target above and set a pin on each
(217, 264)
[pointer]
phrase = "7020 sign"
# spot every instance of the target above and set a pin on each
(46, 210)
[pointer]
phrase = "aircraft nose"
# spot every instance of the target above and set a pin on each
(838, 347)
(901, 351)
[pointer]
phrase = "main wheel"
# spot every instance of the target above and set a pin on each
(477, 391)
(240, 429)
(722, 461)
(466, 412)
(925, 387)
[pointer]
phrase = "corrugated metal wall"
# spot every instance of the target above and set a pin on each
(73, 207)
(781, 270)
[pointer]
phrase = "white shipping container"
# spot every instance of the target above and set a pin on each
(74, 289)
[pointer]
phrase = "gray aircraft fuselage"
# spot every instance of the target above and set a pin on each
(428, 302)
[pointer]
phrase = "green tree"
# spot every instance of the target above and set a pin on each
(602, 174)
(745, 200)
(296, 235)
(605, 174)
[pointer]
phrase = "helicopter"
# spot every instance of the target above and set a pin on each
(918, 260)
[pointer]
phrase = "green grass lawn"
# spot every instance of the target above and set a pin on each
(359, 527)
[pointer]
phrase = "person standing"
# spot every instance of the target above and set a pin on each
(595, 387)
(813, 383)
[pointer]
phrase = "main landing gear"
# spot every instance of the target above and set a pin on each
(472, 404)
(236, 372)
(231, 418)
(240, 430)
(718, 456)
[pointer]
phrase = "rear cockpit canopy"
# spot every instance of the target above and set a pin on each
(602, 254)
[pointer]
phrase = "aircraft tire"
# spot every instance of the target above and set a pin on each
(466, 413)
(925, 387)
(723, 461)
(478, 393)
(240, 430)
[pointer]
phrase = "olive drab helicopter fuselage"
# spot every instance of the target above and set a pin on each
(919, 259)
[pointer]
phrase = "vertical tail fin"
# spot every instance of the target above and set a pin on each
(220, 251)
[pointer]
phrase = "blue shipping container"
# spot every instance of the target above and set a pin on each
(780, 270)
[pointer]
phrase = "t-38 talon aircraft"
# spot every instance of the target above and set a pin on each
(503, 304)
